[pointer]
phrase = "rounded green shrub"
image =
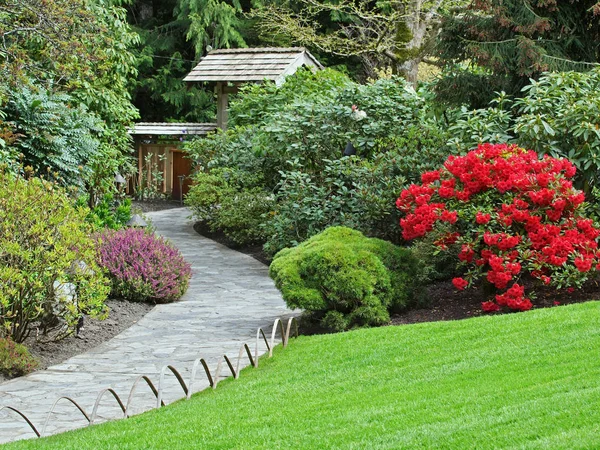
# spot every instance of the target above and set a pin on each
(346, 279)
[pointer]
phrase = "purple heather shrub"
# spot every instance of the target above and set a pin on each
(143, 266)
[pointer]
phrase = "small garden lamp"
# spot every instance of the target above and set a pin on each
(181, 178)
(136, 221)
(349, 150)
(119, 180)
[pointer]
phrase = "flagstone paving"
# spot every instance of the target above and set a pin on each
(229, 297)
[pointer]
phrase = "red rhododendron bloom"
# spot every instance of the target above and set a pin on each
(538, 225)
(481, 218)
(459, 283)
(490, 307)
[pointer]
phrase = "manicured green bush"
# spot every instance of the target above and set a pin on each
(346, 279)
(206, 194)
(15, 359)
(48, 272)
(241, 216)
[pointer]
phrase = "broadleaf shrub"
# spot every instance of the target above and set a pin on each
(15, 359)
(346, 279)
(143, 266)
(556, 116)
(287, 145)
(45, 251)
(512, 214)
(108, 213)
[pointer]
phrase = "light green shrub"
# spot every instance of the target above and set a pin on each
(347, 279)
(48, 272)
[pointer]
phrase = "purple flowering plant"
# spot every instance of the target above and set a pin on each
(143, 266)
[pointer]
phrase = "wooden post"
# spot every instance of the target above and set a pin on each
(222, 103)
(140, 164)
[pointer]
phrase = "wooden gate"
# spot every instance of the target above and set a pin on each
(182, 166)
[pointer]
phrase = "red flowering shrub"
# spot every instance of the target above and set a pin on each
(143, 266)
(512, 213)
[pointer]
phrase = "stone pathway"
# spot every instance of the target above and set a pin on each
(229, 297)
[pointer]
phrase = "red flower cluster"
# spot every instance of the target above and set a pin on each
(512, 212)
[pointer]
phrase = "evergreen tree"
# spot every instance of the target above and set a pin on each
(175, 34)
(513, 41)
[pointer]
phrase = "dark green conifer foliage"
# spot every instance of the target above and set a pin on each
(516, 40)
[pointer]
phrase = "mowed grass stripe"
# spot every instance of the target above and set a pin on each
(527, 380)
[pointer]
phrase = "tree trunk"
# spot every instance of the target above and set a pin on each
(410, 70)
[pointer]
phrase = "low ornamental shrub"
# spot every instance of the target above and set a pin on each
(511, 214)
(15, 359)
(347, 280)
(142, 266)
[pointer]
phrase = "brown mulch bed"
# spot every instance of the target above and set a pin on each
(445, 303)
(122, 315)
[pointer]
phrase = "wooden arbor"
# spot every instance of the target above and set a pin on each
(227, 69)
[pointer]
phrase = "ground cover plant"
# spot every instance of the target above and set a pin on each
(514, 381)
(143, 266)
(512, 214)
(346, 280)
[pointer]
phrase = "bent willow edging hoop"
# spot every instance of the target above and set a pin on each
(213, 378)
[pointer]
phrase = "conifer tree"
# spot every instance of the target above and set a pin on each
(515, 40)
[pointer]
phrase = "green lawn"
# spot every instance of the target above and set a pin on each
(526, 380)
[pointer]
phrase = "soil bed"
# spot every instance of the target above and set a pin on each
(448, 304)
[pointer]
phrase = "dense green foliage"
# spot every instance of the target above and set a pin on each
(516, 41)
(48, 272)
(57, 140)
(347, 280)
(15, 359)
(163, 58)
(285, 153)
(526, 380)
(59, 55)
(394, 35)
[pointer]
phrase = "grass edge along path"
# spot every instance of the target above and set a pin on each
(526, 380)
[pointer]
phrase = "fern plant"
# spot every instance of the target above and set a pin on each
(56, 139)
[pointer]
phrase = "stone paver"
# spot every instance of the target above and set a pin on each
(229, 297)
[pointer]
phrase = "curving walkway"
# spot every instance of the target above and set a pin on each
(230, 296)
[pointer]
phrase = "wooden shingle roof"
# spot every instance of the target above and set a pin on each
(251, 64)
(171, 129)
